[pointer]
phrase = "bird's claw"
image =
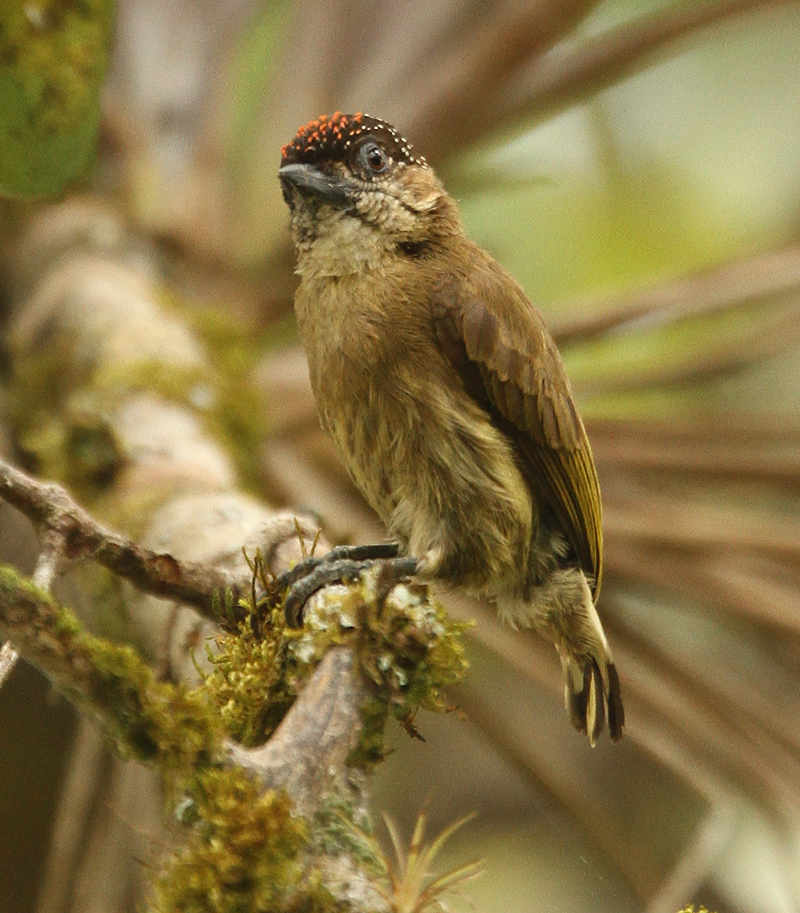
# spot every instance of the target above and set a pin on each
(345, 562)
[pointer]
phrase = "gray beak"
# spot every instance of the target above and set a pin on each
(311, 182)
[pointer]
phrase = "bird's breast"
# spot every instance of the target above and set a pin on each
(426, 456)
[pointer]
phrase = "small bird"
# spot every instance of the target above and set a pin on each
(446, 396)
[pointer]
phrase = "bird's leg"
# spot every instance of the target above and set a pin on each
(345, 562)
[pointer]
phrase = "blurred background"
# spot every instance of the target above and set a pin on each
(636, 165)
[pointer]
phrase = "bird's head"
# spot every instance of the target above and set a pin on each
(351, 181)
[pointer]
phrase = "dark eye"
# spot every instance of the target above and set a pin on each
(373, 158)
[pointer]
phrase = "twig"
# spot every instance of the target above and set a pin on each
(43, 576)
(69, 531)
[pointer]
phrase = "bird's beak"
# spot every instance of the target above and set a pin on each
(311, 182)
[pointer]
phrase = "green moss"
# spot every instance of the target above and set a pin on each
(242, 854)
(255, 677)
(37, 389)
(177, 383)
(245, 850)
(60, 405)
(405, 644)
(169, 726)
(411, 651)
(52, 64)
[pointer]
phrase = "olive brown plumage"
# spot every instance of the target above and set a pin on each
(446, 396)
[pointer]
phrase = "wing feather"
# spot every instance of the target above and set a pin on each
(497, 341)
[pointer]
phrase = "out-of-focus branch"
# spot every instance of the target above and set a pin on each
(567, 75)
(76, 535)
(731, 285)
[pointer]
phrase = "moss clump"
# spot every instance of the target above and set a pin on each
(404, 641)
(243, 853)
(255, 676)
(170, 726)
(412, 651)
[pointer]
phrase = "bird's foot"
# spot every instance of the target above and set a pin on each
(592, 695)
(345, 562)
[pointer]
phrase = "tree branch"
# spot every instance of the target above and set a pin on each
(309, 750)
(68, 531)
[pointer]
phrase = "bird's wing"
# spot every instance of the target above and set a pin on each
(498, 343)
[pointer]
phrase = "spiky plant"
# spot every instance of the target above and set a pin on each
(411, 885)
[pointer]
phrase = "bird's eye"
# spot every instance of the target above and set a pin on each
(375, 160)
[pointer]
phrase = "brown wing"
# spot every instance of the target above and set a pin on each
(498, 343)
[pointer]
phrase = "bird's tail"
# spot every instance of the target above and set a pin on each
(592, 695)
(562, 610)
(591, 691)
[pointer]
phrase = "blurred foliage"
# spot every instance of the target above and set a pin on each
(53, 56)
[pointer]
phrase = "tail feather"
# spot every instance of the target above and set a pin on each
(592, 698)
(562, 610)
(616, 712)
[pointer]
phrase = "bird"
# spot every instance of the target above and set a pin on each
(446, 397)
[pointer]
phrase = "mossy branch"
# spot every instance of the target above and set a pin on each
(256, 816)
(151, 720)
